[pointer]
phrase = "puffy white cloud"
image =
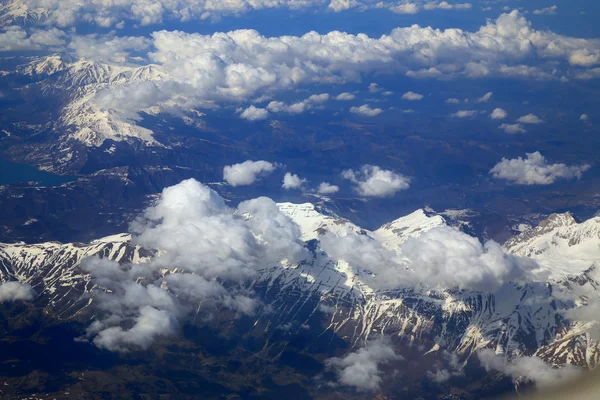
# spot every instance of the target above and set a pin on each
(299, 107)
(207, 252)
(374, 88)
(464, 114)
(404, 8)
(345, 96)
(498, 113)
(361, 369)
(412, 96)
(327, 188)
(442, 258)
(111, 48)
(588, 314)
(109, 13)
(15, 38)
(535, 170)
(13, 291)
(530, 119)
(292, 181)
(444, 5)
(584, 117)
(247, 173)
(366, 111)
(445, 257)
(341, 5)
(453, 100)
(372, 181)
(253, 113)
(532, 368)
(513, 128)
(485, 98)
(546, 11)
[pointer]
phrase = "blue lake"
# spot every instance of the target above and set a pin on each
(16, 173)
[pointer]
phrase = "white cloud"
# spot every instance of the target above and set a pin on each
(345, 96)
(530, 119)
(366, 111)
(361, 369)
(327, 188)
(299, 107)
(535, 170)
(372, 181)
(546, 11)
(464, 114)
(374, 88)
(404, 8)
(584, 117)
(441, 258)
(444, 5)
(412, 96)
(292, 181)
(15, 38)
(445, 257)
(247, 172)
(453, 100)
(513, 128)
(253, 113)
(498, 113)
(532, 368)
(193, 70)
(341, 5)
(202, 243)
(485, 98)
(13, 291)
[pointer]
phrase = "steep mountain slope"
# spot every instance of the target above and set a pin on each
(336, 299)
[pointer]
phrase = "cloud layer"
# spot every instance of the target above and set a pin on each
(14, 291)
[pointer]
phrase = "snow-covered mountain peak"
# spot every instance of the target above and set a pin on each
(561, 244)
(314, 223)
(395, 233)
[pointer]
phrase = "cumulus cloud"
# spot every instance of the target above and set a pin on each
(530, 119)
(247, 173)
(345, 96)
(498, 113)
(207, 252)
(107, 47)
(292, 181)
(513, 129)
(14, 291)
(327, 188)
(453, 100)
(374, 88)
(446, 257)
(464, 114)
(361, 369)
(299, 107)
(253, 113)
(15, 38)
(373, 181)
(485, 98)
(532, 368)
(412, 96)
(441, 258)
(535, 170)
(366, 111)
(444, 5)
(584, 117)
(546, 11)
